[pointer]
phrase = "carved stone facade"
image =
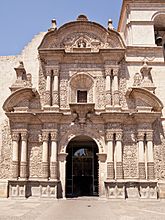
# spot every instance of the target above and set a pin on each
(95, 101)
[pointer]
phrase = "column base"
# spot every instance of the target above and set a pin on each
(119, 170)
(150, 171)
(142, 173)
(110, 170)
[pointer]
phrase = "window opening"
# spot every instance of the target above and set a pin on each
(81, 96)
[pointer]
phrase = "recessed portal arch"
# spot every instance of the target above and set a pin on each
(82, 167)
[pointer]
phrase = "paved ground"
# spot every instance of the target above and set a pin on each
(81, 209)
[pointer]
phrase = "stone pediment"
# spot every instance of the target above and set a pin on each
(141, 100)
(22, 100)
(80, 35)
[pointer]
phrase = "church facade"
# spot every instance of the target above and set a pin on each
(85, 112)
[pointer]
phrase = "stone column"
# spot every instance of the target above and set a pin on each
(23, 163)
(110, 155)
(116, 100)
(15, 162)
(45, 164)
(62, 167)
(141, 160)
(150, 156)
(53, 158)
(102, 173)
(55, 88)
(108, 87)
(48, 87)
(119, 156)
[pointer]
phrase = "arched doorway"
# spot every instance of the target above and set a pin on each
(82, 167)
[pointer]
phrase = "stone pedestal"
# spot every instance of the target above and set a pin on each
(3, 188)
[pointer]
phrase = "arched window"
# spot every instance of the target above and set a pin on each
(81, 86)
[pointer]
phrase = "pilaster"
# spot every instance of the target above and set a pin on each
(23, 162)
(53, 158)
(48, 87)
(15, 162)
(150, 155)
(110, 155)
(141, 158)
(119, 156)
(45, 168)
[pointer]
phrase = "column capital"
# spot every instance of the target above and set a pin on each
(55, 71)
(54, 135)
(15, 136)
(108, 71)
(48, 72)
(24, 136)
(119, 135)
(109, 135)
(149, 136)
(140, 136)
(45, 136)
(115, 71)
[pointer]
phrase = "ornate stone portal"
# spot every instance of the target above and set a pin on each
(83, 94)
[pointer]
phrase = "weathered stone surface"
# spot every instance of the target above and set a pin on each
(89, 85)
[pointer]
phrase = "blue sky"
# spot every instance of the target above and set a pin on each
(20, 20)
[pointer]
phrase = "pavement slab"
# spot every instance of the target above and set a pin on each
(81, 209)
